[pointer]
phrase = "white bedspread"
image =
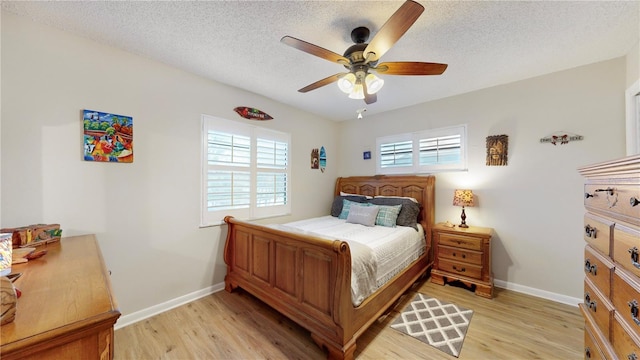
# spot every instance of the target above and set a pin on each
(377, 253)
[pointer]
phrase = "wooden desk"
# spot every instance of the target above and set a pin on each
(67, 309)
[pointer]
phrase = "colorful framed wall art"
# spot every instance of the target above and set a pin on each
(107, 137)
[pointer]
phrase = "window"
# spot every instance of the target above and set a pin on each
(245, 171)
(422, 152)
(633, 118)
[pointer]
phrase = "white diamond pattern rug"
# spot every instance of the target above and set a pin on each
(437, 323)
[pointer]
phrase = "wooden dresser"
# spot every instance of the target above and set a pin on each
(611, 307)
(67, 309)
(463, 254)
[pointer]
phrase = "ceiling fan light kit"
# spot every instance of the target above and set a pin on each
(362, 58)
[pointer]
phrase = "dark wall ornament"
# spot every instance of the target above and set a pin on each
(561, 138)
(497, 150)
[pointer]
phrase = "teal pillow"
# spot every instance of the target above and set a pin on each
(387, 215)
(346, 205)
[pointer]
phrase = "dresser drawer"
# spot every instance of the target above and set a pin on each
(599, 307)
(461, 269)
(597, 232)
(598, 269)
(625, 343)
(591, 348)
(626, 248)
(458, 254)
(619, 201)
(461, 241)
(626, 298)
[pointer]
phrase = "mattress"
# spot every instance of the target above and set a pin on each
(378, 253)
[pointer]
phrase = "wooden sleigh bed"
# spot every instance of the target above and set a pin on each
(308, 278)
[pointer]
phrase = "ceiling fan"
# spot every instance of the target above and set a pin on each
(361, 59)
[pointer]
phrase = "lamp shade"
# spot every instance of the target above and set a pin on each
(463, 197)
(374, 83)
(346, 83)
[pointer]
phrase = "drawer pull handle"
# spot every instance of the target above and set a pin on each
(632, 356)
(634, 257)
(460, 270)
(593, 269)
(634, 201)
(590, 304)
(590, 231)
(633, 305)
(608, 190)
(587, 352)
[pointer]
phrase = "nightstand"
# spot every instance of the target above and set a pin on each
(463, 254)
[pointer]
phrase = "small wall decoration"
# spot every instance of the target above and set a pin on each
(107, 137)
(315, 158)
(323, 159)
(366, 155)
(497, 150)
(561, 138)
(252, 113)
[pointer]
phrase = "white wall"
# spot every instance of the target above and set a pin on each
(633, 65)
(535, 203)
(145, 214)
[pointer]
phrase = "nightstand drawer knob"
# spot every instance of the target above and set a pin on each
(587, 353)
(632, 356)
(464, 256)
(590, 231)
(634, 201)
(459, 270)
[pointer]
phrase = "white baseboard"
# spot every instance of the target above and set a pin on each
(167, 305)
(538, 293)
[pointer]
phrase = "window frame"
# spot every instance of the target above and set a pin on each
(253, 211)
(415, 137)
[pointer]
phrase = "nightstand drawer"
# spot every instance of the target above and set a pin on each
(460, 268)
(461, 241)
(458, 254)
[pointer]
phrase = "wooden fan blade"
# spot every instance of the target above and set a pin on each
(368, 98)
(314, 50)
(321, 83)
(410, 68)
(393, 29)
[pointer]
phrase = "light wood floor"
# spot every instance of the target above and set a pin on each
(238, 326)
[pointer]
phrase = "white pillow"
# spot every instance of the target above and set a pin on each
(348, 194)
(364, 215)
(399, 197)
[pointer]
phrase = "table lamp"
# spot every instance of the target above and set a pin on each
(463, 198)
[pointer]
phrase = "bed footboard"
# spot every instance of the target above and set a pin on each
(306, 278)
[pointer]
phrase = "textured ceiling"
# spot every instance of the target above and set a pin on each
(485, 43)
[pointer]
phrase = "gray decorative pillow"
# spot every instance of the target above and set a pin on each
(408, 215)
(364, 215)
(336, 207)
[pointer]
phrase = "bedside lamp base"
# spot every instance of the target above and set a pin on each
(463, 216)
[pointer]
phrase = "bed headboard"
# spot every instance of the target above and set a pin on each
(420, 187)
